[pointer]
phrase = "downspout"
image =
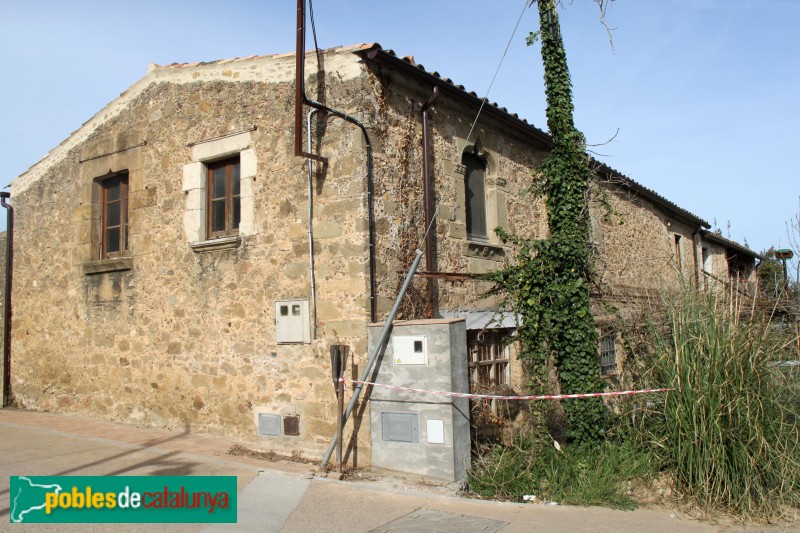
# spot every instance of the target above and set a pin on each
(311, 230)
(694, 253)
(300, 99)
(4, 195)
(427, 198)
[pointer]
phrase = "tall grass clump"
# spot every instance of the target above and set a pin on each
(728, 431)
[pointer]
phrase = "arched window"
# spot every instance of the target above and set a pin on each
(475, 189)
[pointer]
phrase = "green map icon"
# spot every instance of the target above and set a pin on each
(28, 497)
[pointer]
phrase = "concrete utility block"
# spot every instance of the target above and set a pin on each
(427, 435)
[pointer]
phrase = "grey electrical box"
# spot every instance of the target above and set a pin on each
(269, 425)
(415, 433)
(400, 427)
(292, 325)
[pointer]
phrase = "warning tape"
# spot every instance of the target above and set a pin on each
(500, 397)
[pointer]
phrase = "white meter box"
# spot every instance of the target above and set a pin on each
(410, 350)
(292, 324)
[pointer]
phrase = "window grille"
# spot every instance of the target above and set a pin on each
(488, 358)
(608, 354)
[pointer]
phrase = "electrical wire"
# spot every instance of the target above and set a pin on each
(314, 32)
(485, 98)
(433, 221)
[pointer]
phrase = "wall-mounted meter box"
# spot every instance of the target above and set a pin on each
(292, 325)
(410, 349)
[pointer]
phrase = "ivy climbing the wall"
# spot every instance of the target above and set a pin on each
(548, 282)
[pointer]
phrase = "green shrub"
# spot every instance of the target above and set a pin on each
(727, 434)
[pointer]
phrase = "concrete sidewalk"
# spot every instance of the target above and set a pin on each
(281, 496)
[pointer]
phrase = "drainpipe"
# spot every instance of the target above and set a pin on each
(427, 197)
(4, 195)
(311, 229)
(300, 99)
(694, 253)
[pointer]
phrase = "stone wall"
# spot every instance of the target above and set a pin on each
(174, 336)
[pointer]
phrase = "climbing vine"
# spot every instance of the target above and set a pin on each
(548, 283)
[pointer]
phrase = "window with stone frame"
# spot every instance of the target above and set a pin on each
(488, 352)
(475, 196)
(608, 353)
(114, 219)
(223, 210)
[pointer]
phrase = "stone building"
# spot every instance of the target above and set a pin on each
(163, 273)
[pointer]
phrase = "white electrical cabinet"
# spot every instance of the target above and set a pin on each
(292, 325)
(410, 349)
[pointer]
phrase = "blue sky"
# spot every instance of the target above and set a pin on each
(705, 93)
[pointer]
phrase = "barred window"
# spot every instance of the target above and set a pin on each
(608, 354)
(488, 358)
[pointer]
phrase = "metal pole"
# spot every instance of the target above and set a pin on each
(340, 393)
(384, 337)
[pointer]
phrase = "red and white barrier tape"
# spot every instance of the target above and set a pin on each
(500, 397)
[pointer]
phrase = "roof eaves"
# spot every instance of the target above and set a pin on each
(374, 52)
(719, 239)
(407, 64)
(652, 195)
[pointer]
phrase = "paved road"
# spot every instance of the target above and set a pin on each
(281, 496)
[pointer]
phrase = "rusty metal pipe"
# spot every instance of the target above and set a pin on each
(299, 78)
(694, 256)
(300, 100)
(4, 195)
(427, 196)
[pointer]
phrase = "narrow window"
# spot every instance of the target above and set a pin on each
(678, 251)
(708, 265)
(115, 216)
(224, 194)
(608, 354)
(474, 184)
(708, 262)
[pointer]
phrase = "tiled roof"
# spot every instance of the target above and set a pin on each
(653, 196)
(335, 49)
(375, 51)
